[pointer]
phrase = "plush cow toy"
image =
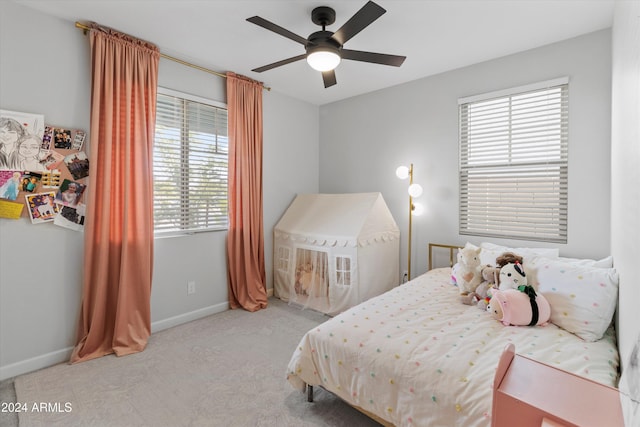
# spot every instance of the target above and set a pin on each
(512, 276)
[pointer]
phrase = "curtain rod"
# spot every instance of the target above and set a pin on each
(171, 58)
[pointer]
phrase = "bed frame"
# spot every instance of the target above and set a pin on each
(453, 250)
(432, 248)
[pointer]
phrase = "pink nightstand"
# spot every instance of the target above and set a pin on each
(527, 393)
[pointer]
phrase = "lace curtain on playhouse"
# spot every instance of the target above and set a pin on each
(311, 285)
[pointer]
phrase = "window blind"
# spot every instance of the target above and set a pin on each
(514, 165)
(190, 161)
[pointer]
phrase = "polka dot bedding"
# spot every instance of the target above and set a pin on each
(417, 356)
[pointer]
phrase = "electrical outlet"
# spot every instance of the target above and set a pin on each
(405, 276)
(191, 288)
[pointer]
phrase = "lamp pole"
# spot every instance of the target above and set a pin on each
(414, 190)
(410, 220)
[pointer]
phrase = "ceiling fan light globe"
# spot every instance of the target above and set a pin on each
(322, 60)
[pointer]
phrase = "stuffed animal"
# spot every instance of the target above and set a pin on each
(511, 276)
(490, 280)
(515, 307)
(481, 296)
(492, 274)
(466, 272)
(309, 281)
(508, 257)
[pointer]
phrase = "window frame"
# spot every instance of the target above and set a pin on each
(208, 102)
(511, 174)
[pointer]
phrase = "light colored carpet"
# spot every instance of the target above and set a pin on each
(228, 369)
(8, 395)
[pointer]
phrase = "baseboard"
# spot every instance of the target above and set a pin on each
(270, 292)
(60, 356)
(35, 363)
(161, 325)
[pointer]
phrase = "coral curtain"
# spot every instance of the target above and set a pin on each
(115, 315)
(245, 239)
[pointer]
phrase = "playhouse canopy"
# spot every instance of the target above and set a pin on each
(354, 219)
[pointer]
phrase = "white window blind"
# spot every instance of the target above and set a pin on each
(514, 163)
(190, 160)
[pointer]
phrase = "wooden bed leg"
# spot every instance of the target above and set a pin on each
(309, 393)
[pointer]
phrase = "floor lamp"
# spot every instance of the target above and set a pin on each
(415, 191)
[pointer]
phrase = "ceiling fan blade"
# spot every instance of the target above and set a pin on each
(329, 78)
(358, 22)
(277, 29)
(279, 63)
(376, 58)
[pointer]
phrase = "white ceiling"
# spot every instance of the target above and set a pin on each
(435, 35)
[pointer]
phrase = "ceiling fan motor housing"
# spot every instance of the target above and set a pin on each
(321, 40)
(323, 16)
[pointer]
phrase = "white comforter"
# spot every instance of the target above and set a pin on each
(416, 356)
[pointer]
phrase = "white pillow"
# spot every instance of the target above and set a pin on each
(490, 251)
(606, 262)
(532, 264)
(583, 298)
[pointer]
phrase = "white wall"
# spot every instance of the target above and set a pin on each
(364, 139)
(44, 68)
(625, 192)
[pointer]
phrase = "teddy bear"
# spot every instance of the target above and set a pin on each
(481, 296)
(466, 273)
(520, 307)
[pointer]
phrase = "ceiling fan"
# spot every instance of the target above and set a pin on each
(324, 49)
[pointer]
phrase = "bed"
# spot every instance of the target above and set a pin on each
(416, 356)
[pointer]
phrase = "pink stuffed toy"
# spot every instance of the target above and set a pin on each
(514, 307)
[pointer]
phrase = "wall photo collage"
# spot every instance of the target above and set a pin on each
(42, 167)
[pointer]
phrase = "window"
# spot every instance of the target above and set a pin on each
(514, 162)
(343, 271)
(190, 160)
(283, 258)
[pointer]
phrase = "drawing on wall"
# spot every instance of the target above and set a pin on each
(10, 184)
(70, 193)
(42, 207)
(72, 218)
(18, 134)
(28, 155)
(78, 165)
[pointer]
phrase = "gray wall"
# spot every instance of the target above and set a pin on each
(363, 139)
(625, 193)
(349, 146)
(45, 70)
